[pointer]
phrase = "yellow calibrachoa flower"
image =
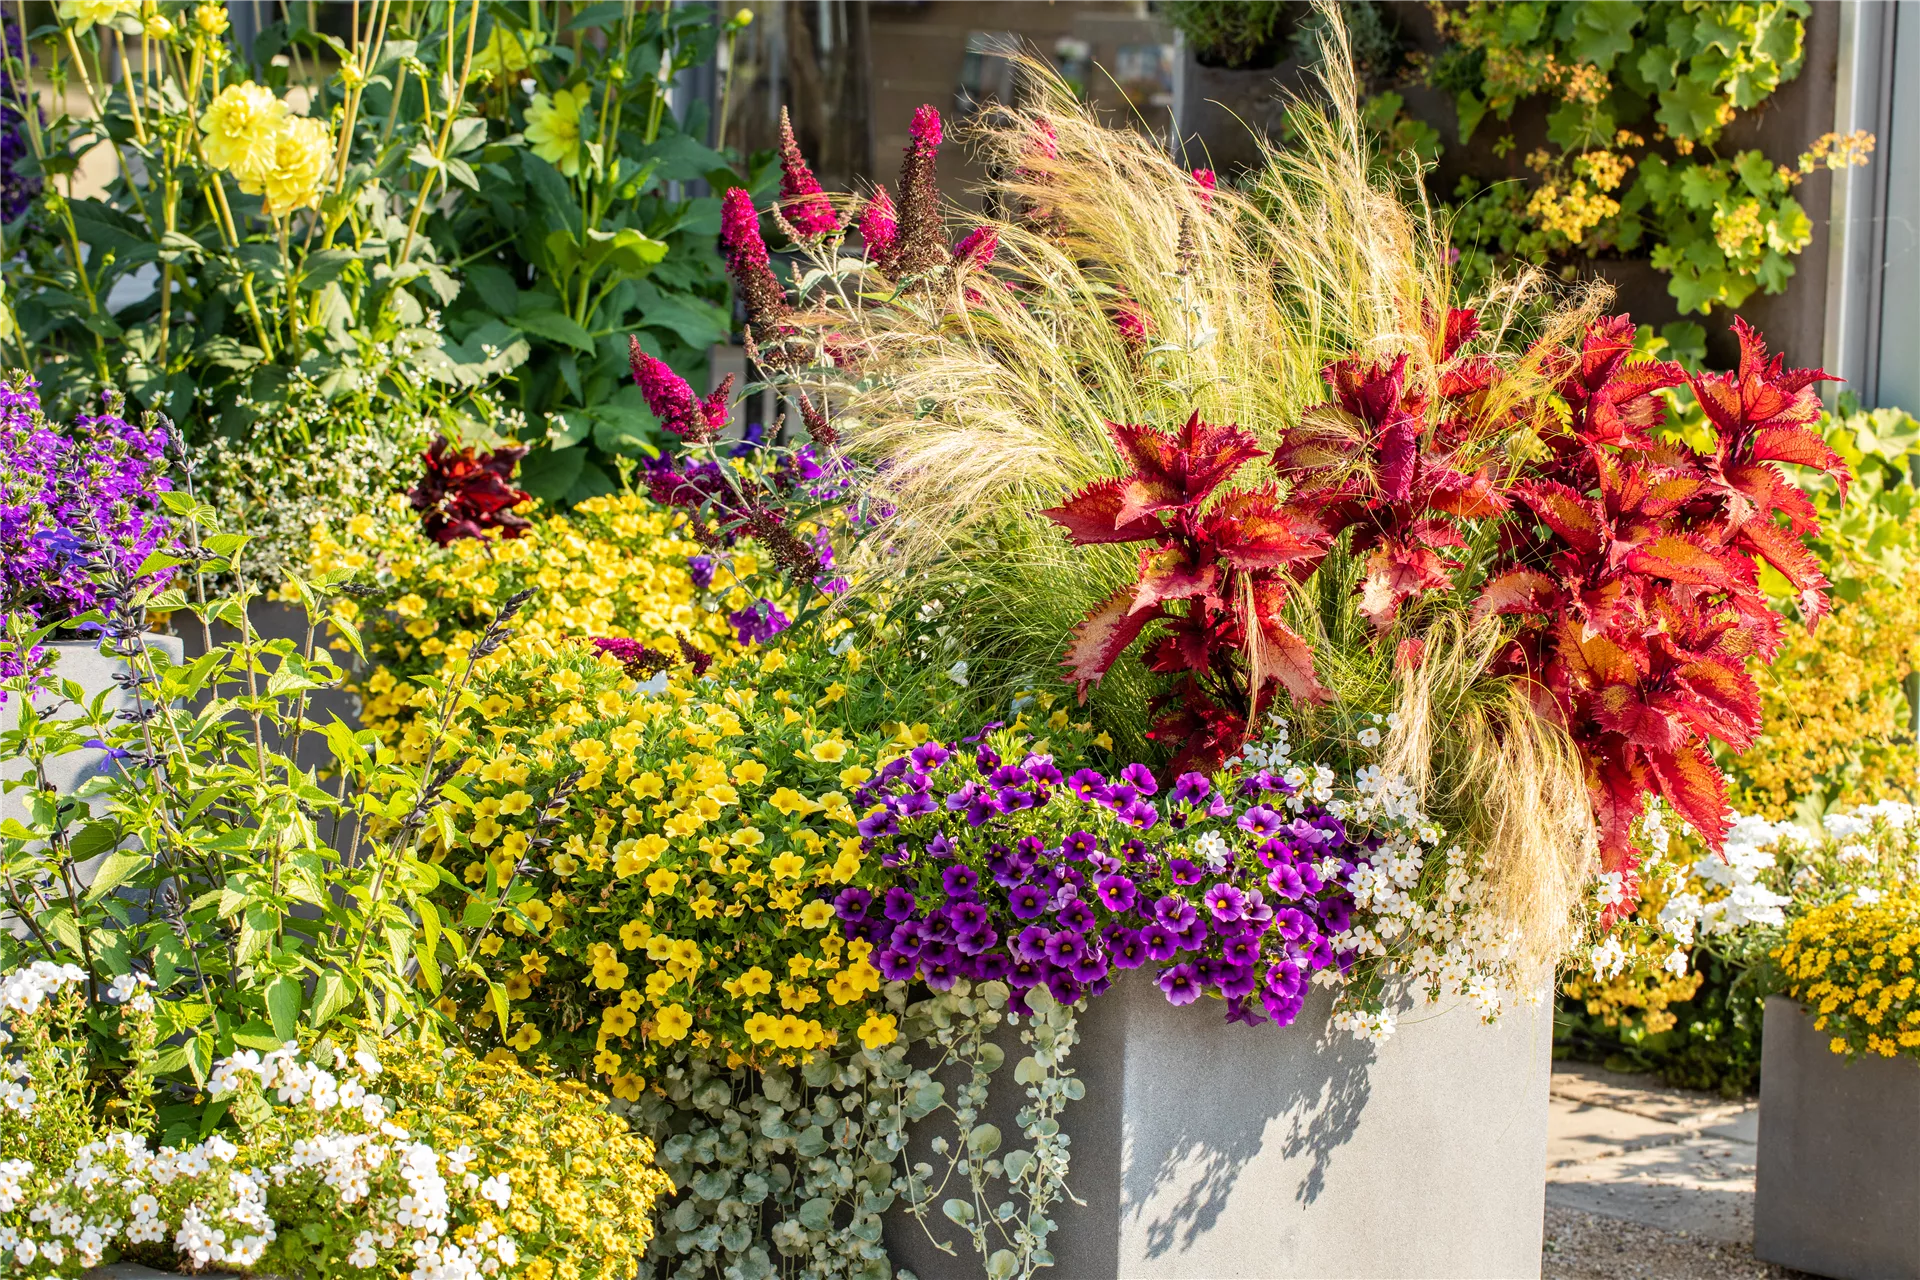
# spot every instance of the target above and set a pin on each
(553, 127)
(242, 127)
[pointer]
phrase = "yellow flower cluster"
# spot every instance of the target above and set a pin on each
(583, 1185)
(274, 154)
(1835, 714)
(1852, 964)
(613, 566)
(684, 899)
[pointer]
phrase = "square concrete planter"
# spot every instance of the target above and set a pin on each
(1838, 1185)
(1205, 1151)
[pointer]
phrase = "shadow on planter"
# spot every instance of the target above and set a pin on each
(1208, 1150)
(1837, 1189)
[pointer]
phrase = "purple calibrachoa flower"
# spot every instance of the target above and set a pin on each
(759, 622)
(998, 893)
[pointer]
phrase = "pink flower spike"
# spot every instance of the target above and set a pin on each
(801, 198)
(1208, 184)
(925, 130)
(976, 248)
(746, 255)
(673, 401)
(880, 228)
(922, 241)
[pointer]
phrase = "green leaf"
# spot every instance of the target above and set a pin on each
(549, 473)
(696, 322)
(283, 1005)
(94, 838)
(331, 994)
(958, 1210)
(114, 872)
(983, 1140)
(816, 1214)
(1690, 109)
(555, 327)
(494, 287)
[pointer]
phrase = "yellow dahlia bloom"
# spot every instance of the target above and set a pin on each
(302, 150)
(553, 127)
(84, 14)
(243, 131)
(210, 20)
(504, 53)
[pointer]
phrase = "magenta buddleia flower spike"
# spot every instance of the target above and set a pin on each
(746, 255)
(673, 401)
(880, 229)
(923, 242)
(976, 248)
(802, 201)
(1208, 184)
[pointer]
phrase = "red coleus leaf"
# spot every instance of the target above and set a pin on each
(1275, 650)
(1397, 570)
(1102, 636)
(1248, 529)
(1617, 783)
(1611, 392)
(1462, 325)
(1565, 512)
(1173, 571)
(1518, 591)
(1094, 515)
(1471, 497)
(1718, 698)
(1688, 780)
(1190, 642)
(1377, 395)
(1178, 470)
(1785, 552)
(1685, 557)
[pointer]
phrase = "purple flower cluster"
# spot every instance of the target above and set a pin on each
(1021, 875)
(17, 190)
(759, 622)
(79, 510)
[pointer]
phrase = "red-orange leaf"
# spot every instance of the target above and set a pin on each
(1102, 637)
(1093, 515)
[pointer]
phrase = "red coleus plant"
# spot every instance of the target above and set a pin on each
(462, 494)
(1636, 581)
(1218, 578)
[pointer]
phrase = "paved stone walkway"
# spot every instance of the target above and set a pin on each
(1647, 1181)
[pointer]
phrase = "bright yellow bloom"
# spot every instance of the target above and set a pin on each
(526, 1037)
(660, 883)
(878, 1030)
(83, 14)
(788, 866)
(829, 751)
(505, 53)
(816, 914)
(755, 982)
(210, 19)
(302, 154)
(242, 126)
(750, 773)
(553, 127)
(616, 1021)
(672, 1023)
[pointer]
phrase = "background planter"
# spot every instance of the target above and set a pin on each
(1232, 1152)
(81, 661)
(1838, 1190)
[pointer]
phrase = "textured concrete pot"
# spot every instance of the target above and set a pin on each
(81, 661)
(1204, 1150)
(1838, 1185)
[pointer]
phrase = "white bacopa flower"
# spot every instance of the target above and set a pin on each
(497, 1189)
(958, 673)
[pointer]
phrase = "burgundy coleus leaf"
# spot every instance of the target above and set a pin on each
(1326, 440)
(1764, 486)
(1718, 698)
(1462, 326)
(1275, 650)
(1094, 515)
(1617, 783)
(1248, 529)
(1763, 410)
(1102, 636)
(1178, 470)
(1471, 497)
(1174, 571)
(1377, 395)
(1785, 552)
(1626, 710)
(1610, 392)
(1191, 642)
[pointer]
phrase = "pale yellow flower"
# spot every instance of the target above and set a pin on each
(210, 20)
(553, 127)
(243, 131)
(84, 14)
(302, 152)
(505, 51)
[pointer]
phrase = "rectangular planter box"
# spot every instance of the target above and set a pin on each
(1205, 1151)
(1838, 1185)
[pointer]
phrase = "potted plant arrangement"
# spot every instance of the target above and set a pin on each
(1075, 808)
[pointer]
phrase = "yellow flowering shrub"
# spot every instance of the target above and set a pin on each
(1851, 963)
(613, 566)
(1835, 713)
(582, 1184)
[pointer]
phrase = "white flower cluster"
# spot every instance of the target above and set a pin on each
(24, 990)
(330, 1133)
(1420, 920)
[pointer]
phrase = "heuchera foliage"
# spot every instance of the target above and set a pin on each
(462, 494)
(1627, 562)
(1637, 584)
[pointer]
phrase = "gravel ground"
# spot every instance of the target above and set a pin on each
(1586, 1246)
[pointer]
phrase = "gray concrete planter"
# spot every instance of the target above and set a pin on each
(1838, 1184)
(1204, 1150)
(80, 661)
